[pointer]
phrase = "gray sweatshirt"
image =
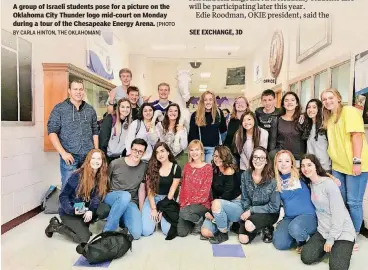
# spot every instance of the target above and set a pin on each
(248, 148)
(334, 222)
(74, 128)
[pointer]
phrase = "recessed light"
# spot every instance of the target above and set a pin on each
(205, 74)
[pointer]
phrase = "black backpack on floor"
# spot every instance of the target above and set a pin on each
(106, 246)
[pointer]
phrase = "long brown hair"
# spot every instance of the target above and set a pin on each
(88, 180)
(241, 134)
(326, 113)
(267, 173)
(153, 169)
(226, 157)
(234, 112)
(166, 121)
(128, 120)
(297, 111)
(200, 118)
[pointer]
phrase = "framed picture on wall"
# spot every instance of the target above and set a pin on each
(360, 97)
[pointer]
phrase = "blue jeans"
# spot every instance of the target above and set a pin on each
(125, 211)
(148, 226)
(67, 170)
(230, 211)
(294, 230)
(352, 190)
(208, 154)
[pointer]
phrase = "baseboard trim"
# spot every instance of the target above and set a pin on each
(19, 220)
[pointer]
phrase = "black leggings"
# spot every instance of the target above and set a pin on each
(77, 224)
(260, 221)
(339, 256)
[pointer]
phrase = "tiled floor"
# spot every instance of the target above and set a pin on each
(26, 247)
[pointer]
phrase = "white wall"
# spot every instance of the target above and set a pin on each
(27, 170)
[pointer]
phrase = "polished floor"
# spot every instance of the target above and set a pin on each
(26, 247)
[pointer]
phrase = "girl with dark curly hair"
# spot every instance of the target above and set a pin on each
(162, 180)
(226, 207)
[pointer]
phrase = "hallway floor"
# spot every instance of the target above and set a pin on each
(26, 247)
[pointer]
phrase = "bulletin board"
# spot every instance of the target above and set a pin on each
(360, 97)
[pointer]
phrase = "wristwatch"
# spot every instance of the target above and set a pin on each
(356, 161)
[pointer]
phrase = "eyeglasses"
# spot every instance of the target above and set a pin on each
(216, 156)
(256, 158)
(139, 152)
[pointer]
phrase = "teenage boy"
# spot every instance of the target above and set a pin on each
(133, 96)
(120, 91)
(163, 93)
(72, 129)
(268, 113)
(127, 192)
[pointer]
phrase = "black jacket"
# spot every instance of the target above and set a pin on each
(170, 211)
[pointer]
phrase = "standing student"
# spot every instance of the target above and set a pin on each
(120, 91)
(114, 129)
(207, 124)
(195, 193)
(127, 191)
(260, 200)
(249, 136)
(348, 150)
(226, 113)
(226, 206)
(140, 128)
(162, 180)
(335, 232)
(87, 187)
(163, 102)
(73, 130)
(173, 133)
(315, 134)
(300, 221)
(286, 132)
(268, 113)
(240, 106)
(133, 96)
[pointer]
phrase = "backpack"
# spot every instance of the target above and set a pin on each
(106, 246)
(50, 201)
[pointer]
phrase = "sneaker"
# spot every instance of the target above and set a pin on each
(219, 238)
(299, 246)
(267, 234)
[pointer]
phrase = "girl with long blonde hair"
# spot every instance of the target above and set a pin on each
(207, 124)
(80, 197)
(348, 150)
(300, 220)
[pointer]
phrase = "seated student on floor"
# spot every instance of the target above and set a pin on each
(127, 191)
(226, 206)
(260, 199)
(80, 198)
(300, 221)
(162, 180)
(195, 192)
(335, 232)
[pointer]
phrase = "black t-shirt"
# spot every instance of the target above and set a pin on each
(232, 128)
(166, 181)
(135, 113)
(226, 187)
(265, 119)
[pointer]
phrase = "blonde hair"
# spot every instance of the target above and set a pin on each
(163, 84)
(234, 112)
(200, 118)
(193, 144)
(294, 169)
(326, 113)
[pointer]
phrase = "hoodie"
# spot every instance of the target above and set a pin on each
(75, 128)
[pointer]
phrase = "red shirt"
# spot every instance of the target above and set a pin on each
(196, 186)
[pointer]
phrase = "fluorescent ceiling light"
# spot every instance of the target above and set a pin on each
(229, 48)
(202, 89)
(169, 47)
(205, 74)
(203, 86)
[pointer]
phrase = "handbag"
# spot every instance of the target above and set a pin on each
(50, 201)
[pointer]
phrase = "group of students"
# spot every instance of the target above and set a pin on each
(133, 170)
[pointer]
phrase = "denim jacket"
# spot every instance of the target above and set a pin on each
(261, 198)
